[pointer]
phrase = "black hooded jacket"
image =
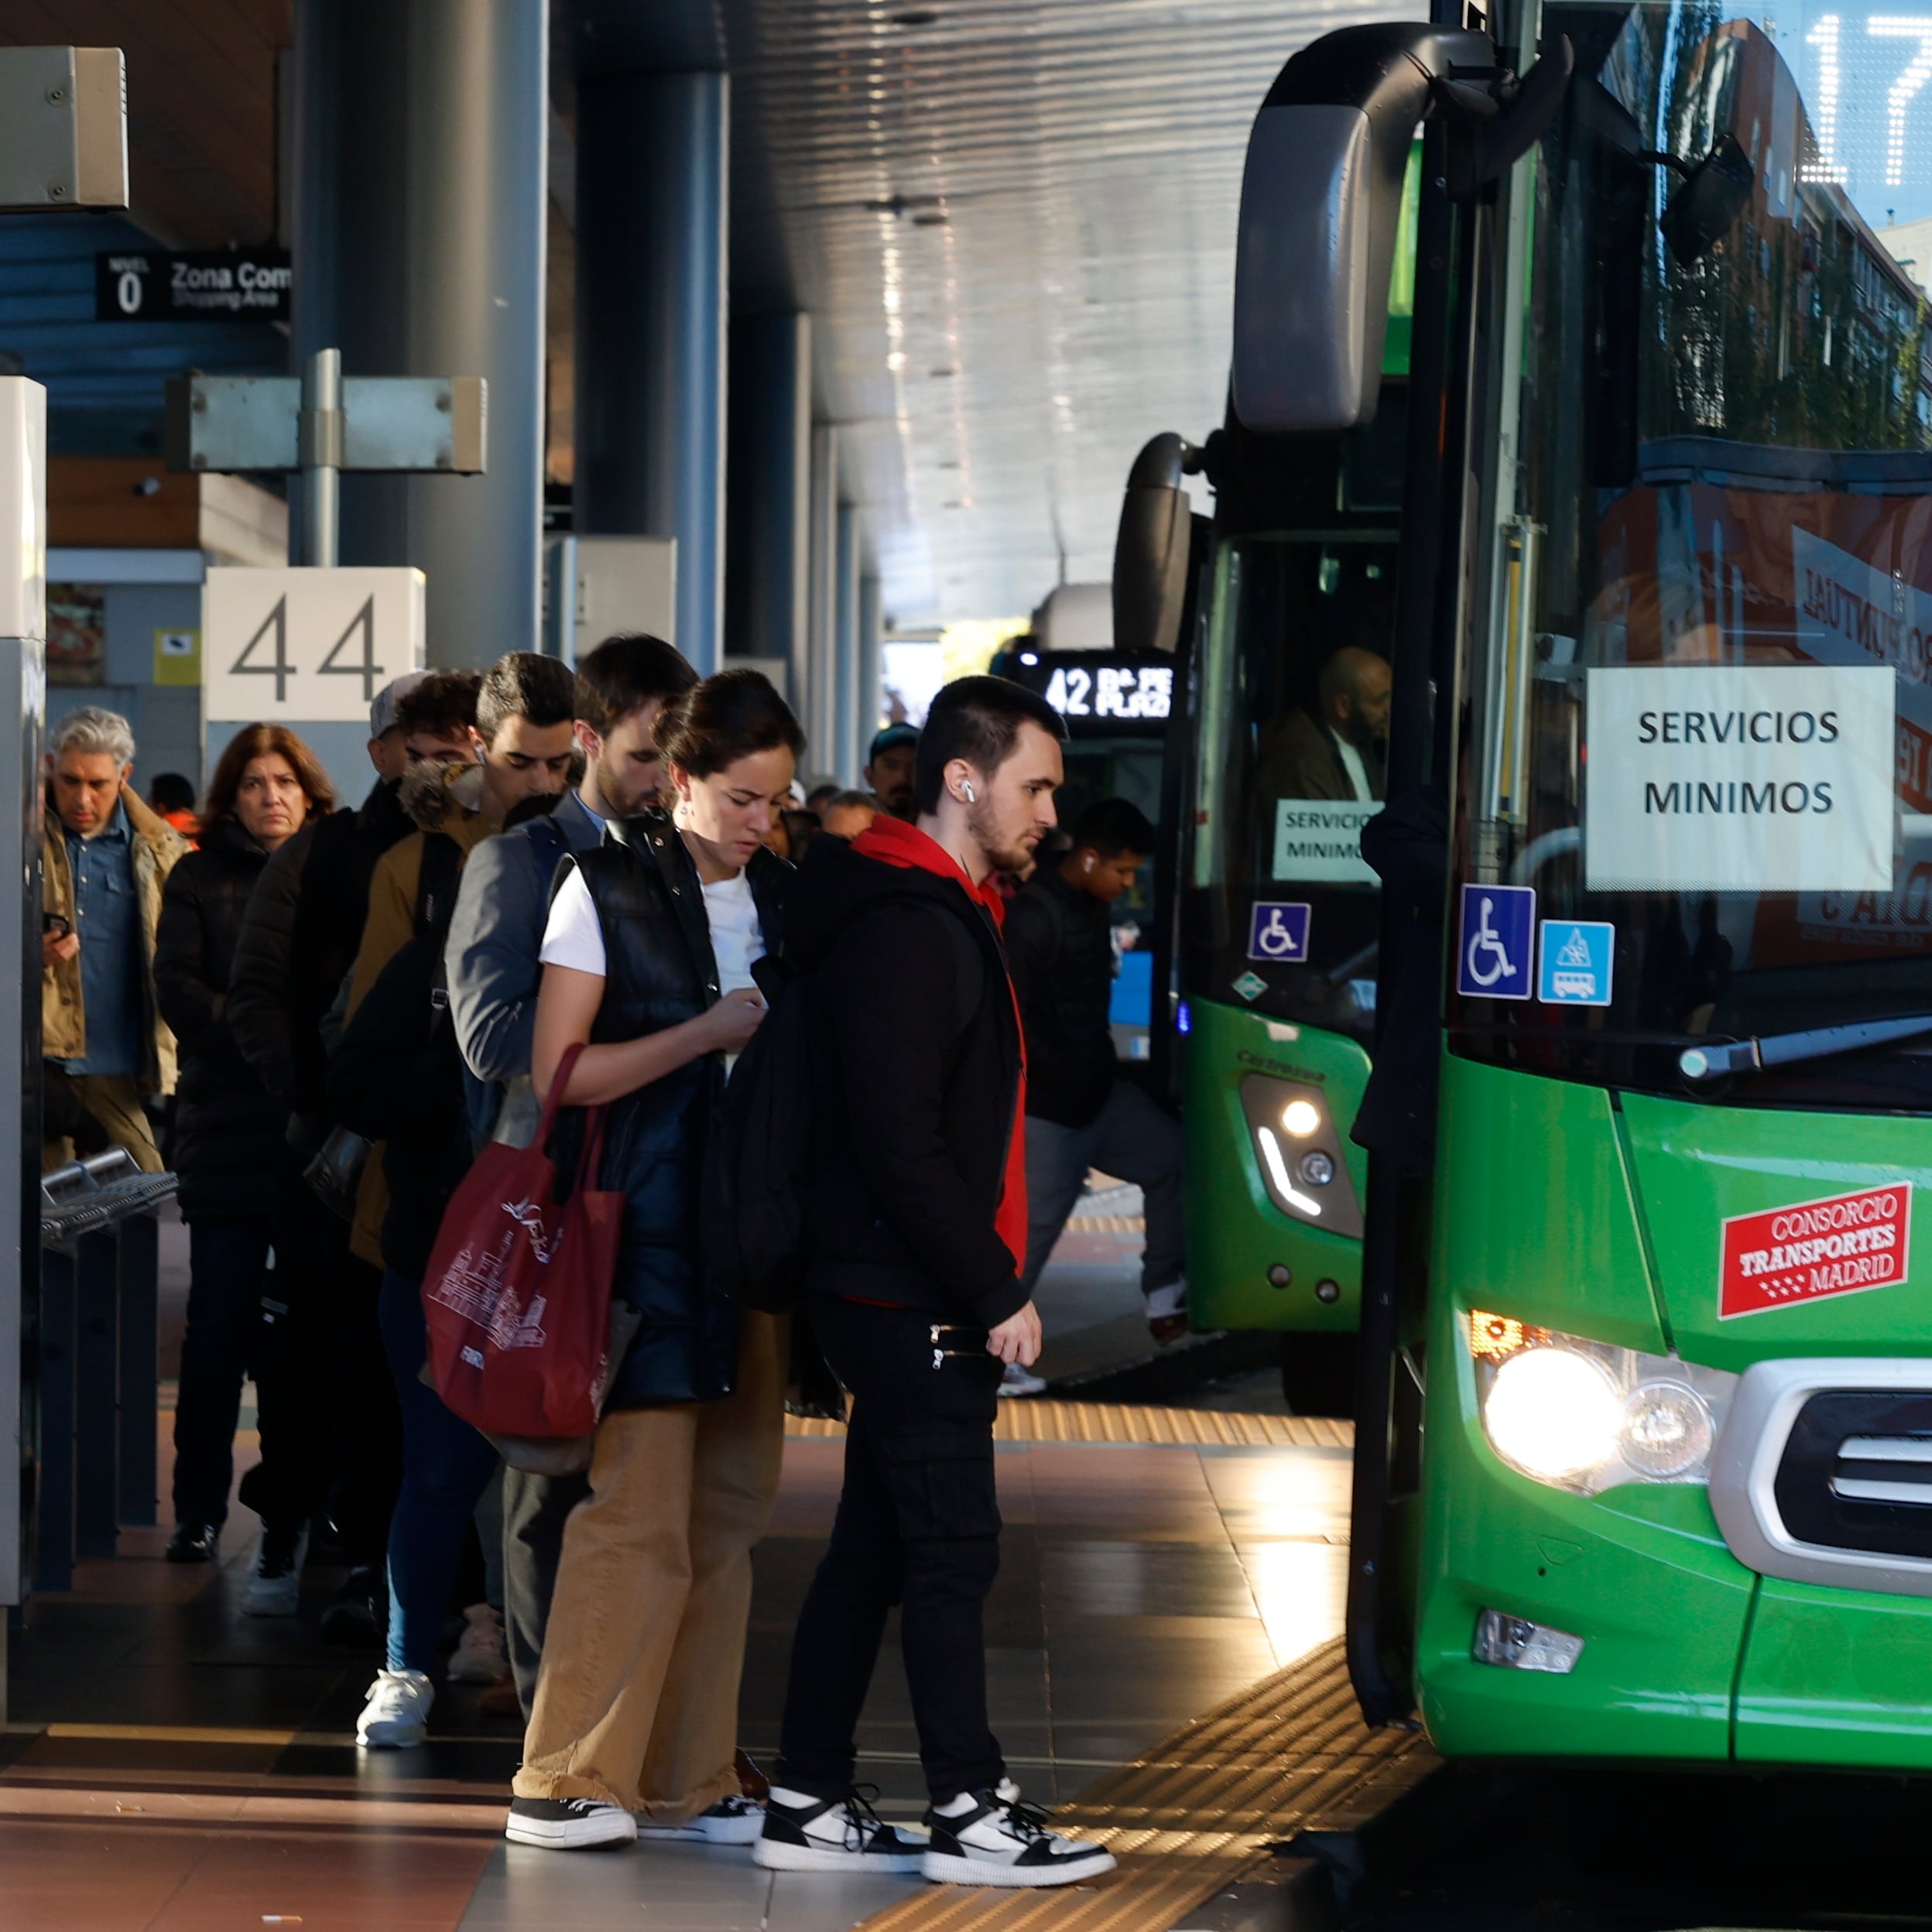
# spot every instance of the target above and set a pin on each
(916, 1065)
(298, 941)
(227, 1131)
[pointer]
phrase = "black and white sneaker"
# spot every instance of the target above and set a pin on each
(569, 1824)
(998, 1840)
(732, 1820)
(805, 1833)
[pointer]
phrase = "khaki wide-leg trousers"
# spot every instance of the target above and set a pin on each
(637, 1697)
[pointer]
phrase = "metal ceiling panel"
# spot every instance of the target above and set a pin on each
(1012, 222)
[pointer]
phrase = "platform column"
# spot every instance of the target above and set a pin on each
(845, 562)
(767, 491)
(421, 131)
(871, 661)
(652, 193)
(819, 711)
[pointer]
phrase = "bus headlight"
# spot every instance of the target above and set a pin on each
(1552, 1413)
(1583, 1416)
(1297, 1144)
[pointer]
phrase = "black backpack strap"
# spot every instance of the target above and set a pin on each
(435, 885)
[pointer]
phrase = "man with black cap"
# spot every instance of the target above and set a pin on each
(888, 771)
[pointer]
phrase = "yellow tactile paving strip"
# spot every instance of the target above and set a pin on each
(1288, 1754)
(1104, 1224)
(1044, 1421)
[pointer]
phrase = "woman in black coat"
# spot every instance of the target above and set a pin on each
(228, 1140)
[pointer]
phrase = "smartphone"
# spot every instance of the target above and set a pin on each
(57, 925)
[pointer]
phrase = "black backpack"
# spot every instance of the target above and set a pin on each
(755, 1174)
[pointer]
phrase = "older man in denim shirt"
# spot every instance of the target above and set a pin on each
(104, 858)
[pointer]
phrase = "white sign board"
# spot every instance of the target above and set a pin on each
(1739, 778)
(1320, 838)
(316, 645)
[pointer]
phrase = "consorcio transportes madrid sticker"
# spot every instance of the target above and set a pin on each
(1841, 1245)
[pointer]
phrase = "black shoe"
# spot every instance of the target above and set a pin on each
(568, 1825)
(805, 1833)
(1000, 1841)
(358, 1617)
(194, 1542)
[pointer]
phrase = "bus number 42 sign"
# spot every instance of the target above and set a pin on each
(313, 645)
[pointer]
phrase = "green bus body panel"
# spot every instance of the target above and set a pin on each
(1555, 1207)
(1235, 1233)
(1536, 1220)
(1696, 1166)
(1836, 1676)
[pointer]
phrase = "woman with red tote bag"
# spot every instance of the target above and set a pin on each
(647, 967)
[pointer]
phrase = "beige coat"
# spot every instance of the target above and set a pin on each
(156, 847)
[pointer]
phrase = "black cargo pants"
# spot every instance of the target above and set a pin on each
(918, 1525)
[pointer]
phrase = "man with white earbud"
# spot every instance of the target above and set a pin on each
(915, 1234)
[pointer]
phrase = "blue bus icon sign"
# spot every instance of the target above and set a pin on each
(1278, 931)
(1575, 959)
(1493, 947)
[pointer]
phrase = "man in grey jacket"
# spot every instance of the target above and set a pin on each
(493, 970)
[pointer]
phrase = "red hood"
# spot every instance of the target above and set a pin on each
(893, 842)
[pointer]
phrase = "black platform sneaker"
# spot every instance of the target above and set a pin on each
(805, 1833)
(1002, 1841)
(569, 1824)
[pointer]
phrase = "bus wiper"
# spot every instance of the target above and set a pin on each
(1783, 1049)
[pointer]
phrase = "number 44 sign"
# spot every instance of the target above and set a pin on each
(313, 645)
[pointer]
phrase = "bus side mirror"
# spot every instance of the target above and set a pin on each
(1151, 549)
(1311, 313)
(1705, 209)
(1320, 202)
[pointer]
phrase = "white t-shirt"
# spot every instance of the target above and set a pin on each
(573, 937)
(1351, 763)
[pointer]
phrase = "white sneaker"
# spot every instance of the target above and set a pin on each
(568, 1825)
(996, 1840)
(732, 1820)
(1016, 1381)
(396, 1717)
(479, 1656)
(805, 1833)
(274, 1587)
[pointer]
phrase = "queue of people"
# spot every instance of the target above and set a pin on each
(591, 888)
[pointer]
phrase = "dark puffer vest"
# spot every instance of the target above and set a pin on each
(660, 970)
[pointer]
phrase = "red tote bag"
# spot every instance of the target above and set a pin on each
(517, 1297)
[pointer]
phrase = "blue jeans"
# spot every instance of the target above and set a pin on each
(447, 1466)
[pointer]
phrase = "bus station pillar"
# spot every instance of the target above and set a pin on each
(872, 664)
(421, 143)
(845, 563)
(767, 491)
(819, 713)
(652, 201)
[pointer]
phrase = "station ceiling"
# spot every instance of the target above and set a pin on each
(1011, 221)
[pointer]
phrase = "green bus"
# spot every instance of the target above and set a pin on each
(1662, 738)
(1274, 967)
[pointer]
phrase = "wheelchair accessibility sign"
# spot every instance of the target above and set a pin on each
(1278, 931)
(1574, 960)
(1493, 949)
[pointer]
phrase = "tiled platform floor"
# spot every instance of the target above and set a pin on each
(169, 1764)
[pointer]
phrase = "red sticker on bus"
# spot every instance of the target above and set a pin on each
(1839, 1246)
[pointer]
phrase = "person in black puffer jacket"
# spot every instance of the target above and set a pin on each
(229, 1140)
(648, 964)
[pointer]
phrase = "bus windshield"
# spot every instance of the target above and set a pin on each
(1293, 686)
(1696, 796)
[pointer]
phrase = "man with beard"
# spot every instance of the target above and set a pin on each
(888, 770)
(915, 1234)
(496, 935)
